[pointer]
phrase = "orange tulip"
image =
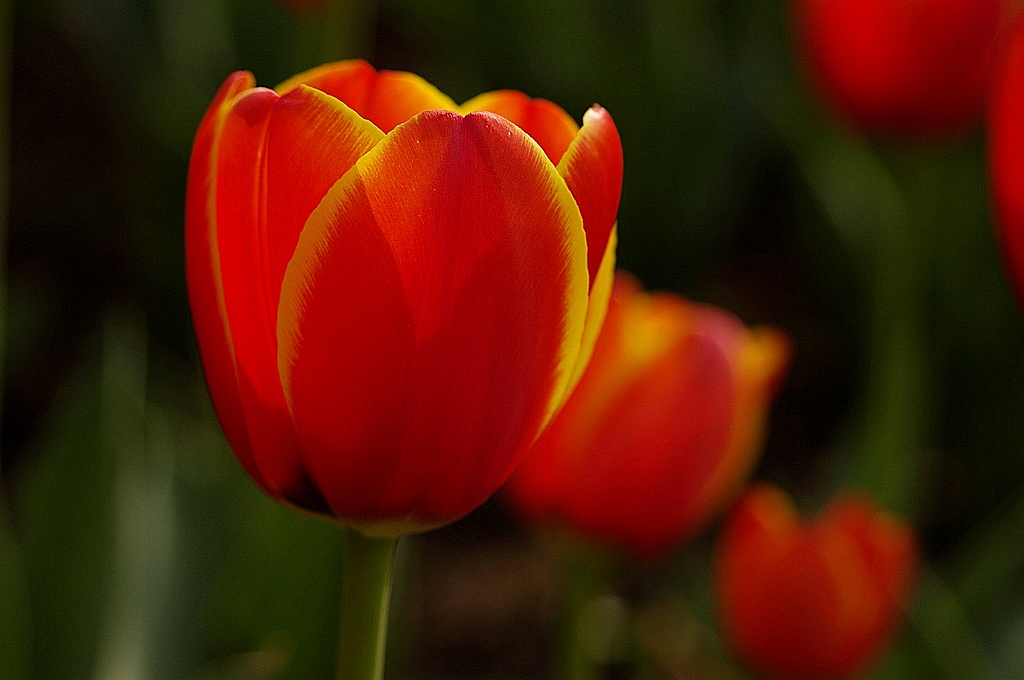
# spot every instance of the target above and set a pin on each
(811, 599)
(665, 423)
(391, 293)
(1006, 153)
(896, 67)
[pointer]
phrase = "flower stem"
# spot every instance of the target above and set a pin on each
(589, 636)
(366, 592)
(898, 409)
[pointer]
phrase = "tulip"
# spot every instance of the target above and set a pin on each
(666, 422)
(811, 599)
(901, 68)
(1006, 153)
(392, 294)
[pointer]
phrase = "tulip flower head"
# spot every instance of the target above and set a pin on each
(898, 67)
(392, 294)
(1006, 153)
(665, 423)
(811, 599)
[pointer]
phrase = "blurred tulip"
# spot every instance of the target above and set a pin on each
(811, 599)
(665, 423)
(392, 294)
(897, 67)
(1006, 153)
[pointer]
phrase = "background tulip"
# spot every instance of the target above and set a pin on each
(896, 67)
(665, 423)
(391, 297)
(1006, 153)
(812, 599)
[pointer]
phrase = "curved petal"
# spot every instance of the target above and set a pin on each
(597, 310)
(547, 123)
(758, 539)
(592, 168)
(889, 552)
(651, 419)
(759, 358)
(811, 598)
(277, 158)
(538, 485)
(460, 258)
(202, 273)
(671, 423)
(386, 98)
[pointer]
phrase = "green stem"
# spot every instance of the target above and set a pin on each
(579, 589)
(366, 592)
(589, 635)
(897, 407)
(944, 626)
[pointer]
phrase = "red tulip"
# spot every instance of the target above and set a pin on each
(811, 599)
(665, 423)
(1006, 153)
(898, 67)
(391, 293)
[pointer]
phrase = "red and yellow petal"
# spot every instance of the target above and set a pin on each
(597, 309)
(760, 357)
(683, 402)
(202, 273)
(589, 158)
(547, 123)
(461, 255)
(592, 168)
(386, 98)
(277, 158)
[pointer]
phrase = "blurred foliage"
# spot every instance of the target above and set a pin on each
(132, 545)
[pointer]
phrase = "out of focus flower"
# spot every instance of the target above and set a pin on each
(392, 294)
(915, 68)
(1006, 152)
(813, 599)
(666, 422)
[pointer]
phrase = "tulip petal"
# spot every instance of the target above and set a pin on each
(202, 270)
(597, 309)
(547, 123)
(386, 98)
(278, 156)
(760, 357)
(592, 168)
(814, 599)
(683, 402)
(430, 319)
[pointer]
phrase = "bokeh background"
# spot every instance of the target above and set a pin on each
(132, 545)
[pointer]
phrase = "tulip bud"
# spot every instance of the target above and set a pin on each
(902, 68)
(392, 294)
(813, 599)
(664, 425)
